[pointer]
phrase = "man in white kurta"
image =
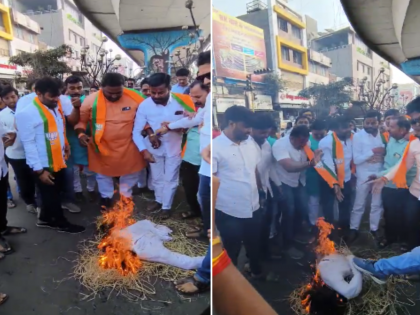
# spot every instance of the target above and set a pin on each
(160, 108)
(368, 156)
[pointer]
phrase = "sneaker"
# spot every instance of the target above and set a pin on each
(71, 228)
(294, 253)
(31, 209)
(79, 197)
(71, 207)
(367, 267)
(45, 224)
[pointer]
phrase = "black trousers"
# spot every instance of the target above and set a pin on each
(190, 182)
(25, 180)
(235, 231)
(3, 202)
(51, 210)
(412, 221)
(327, 199)
(394, 203)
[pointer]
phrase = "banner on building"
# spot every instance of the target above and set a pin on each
(238, 47)
(292, 98)
(222, 104)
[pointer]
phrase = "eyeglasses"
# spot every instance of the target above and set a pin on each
(203, 76)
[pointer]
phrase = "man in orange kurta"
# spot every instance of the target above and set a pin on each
(119, 156)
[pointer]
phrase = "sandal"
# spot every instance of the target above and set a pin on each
(11, 204)
(5, 248)
(3, 298)
(191, 285)
(189, 215)
(13, 230)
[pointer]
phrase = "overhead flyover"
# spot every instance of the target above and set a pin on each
(151, 32)
(391, 28)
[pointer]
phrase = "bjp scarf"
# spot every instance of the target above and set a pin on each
(56, 160)
(400, 176)
(385, 137)
(338, 156)
(188, 105)
(99, 115)
(323, 170)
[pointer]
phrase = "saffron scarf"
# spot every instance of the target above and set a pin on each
(323, 170)
(56, 160)
(185, 101)
(99, 115)
(400, 176)
(188, 105)
(338, 157)
(385, 137)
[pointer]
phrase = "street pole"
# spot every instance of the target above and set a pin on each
(249, 89)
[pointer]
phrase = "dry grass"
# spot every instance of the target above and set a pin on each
(142, 285)
(393, 298)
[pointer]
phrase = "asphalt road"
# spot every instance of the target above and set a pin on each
(36, 275)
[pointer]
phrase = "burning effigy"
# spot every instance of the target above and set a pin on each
(129, 254)
(337, 288)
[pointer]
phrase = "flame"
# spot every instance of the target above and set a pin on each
(325, 247)
(116, 245)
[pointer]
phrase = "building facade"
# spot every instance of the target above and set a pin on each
(286, 47)
(62, 23)
(350, 57)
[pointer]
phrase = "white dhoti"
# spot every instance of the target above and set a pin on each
(126, 184)
(165, 179)
(90, 179)
(376, 209)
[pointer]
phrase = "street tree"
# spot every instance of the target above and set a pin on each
(273, 85)
(380, 95)
(44, 63)
(325, 96)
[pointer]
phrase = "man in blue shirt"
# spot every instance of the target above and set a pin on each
(392, 197)
(182, 78)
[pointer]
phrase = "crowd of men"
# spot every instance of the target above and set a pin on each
(138, 137)
(281, 184)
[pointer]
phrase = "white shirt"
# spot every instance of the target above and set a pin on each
(7, 119)
(235, 165)
(32, 134)
(3, 165)
(326, 146)
(283, 149)
(266, 168)
(155, 114)
(363, 143)
(202, 117)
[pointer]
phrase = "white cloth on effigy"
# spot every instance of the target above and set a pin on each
(147, 241)
(336, 270)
